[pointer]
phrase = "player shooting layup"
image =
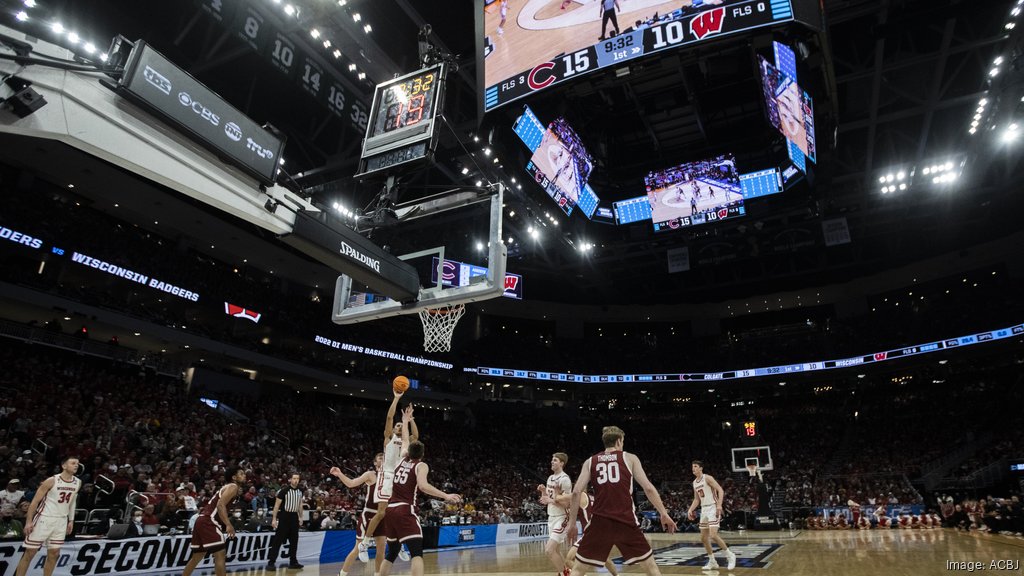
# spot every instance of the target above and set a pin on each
(709, 495)
(402, 525)
(385, 480)
(614, 522)
(51, 516)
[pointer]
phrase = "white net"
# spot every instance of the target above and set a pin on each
(439, 325)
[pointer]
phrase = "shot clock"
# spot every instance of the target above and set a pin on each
(403, 121)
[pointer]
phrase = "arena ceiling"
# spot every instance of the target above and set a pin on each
(896, 86)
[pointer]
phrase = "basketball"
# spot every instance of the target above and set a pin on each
(400, 384)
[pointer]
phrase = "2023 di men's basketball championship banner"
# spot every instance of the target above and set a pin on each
(529, 45)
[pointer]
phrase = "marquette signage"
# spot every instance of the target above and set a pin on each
(121, 272)
(155, 81)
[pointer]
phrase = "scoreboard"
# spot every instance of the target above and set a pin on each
(511, 74)
(403, 120)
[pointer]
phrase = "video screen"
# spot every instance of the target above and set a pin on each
(790, 110)
(563, 161)
(529, 45)
(695, 193)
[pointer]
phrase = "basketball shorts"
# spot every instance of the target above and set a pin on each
(208, 536)
(603, 533)
(385, 482)
(402, 523)
(364, 521)
(558, 528)
(49, 530)
(709, 516)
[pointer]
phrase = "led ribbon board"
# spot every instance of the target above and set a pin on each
(790, 369)
(157, 84)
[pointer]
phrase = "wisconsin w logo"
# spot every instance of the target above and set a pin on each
(709, 22)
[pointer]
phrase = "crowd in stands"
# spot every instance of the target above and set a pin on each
(136, 432)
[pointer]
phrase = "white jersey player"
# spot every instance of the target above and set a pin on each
(557, 494)
(51, 516)
(386, 478)
(709, 496)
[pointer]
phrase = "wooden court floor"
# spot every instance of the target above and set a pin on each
(799, 553)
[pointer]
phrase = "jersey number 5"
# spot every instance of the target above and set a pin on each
(607, 472)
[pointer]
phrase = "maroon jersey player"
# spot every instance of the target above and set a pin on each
(369, 480)
(614, 516)
(213, 527)
(401, 524)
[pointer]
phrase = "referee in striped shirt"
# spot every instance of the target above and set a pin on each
(290, 499)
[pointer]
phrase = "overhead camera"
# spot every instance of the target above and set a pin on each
(23, 100)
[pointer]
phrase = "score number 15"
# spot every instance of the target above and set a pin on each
(578, 62)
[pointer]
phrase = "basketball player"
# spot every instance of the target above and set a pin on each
(392, 456)
(208, 535)
(402, 525)
(557, 495)
(614, 517)
(368, 479)
(585, 501)
(709, 496)
(504, 14)
(50, 516)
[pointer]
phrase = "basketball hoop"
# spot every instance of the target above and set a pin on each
(439, 325)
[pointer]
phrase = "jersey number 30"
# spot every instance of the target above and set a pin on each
(607, 472)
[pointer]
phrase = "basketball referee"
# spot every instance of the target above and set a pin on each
(290, 498)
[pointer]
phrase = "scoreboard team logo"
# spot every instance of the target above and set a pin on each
(693, 554)
(706, 23)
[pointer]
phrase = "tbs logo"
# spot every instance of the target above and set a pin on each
(157, 79)
(233, 131)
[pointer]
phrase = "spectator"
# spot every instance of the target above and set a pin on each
(11, 497)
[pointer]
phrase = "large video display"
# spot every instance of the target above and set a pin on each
(790, 111)
(532, 44)
(695, 193)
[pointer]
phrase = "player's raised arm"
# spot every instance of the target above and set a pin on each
(367, 477)
(422, 469)
(390, 418)
(652, 493)
(407, 422)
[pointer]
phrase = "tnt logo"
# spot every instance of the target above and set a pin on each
(706, 23)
